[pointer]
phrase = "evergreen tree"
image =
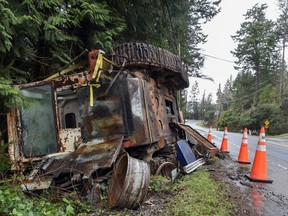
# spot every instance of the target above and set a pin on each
(243, 91)
(209, 114)
(282, 24)
(219, 101)
(39, 37)
(203, 105)
(174, 25)
(193, 103)
(257, 51)
(45, 35)
(227, 94)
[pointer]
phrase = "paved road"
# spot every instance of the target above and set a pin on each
(276, 153)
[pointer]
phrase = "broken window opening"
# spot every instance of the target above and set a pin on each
(70, 120)
(169, 107)
(68, 109)
(38, 122)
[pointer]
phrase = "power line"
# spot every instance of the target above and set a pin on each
(243, 97)
(218, 58)
(263, 79)
(252, 85)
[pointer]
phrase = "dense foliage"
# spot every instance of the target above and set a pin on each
(38, 38)
(257, 50)
(174, 25)
(259, 91)
(14, 202)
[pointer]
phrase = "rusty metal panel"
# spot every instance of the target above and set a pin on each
(105, 117)
(151, 109)
(208, 149)
(150, 121)
(124, 111)
(13, 137)
(36, 184)
(92, 155)
(73, 80)
(164, 117)
(138, 125)
(70, 138)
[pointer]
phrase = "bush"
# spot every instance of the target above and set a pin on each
(262, 113)
(5, 163)
(254, 119)
(209, 117)
(14, 202)
(229, 119)
(245, 120)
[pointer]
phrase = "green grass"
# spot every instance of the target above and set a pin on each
(194, 194)
(197, 195)
(160, 183)
(285, 135)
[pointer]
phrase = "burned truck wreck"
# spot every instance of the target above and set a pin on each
(117, 121)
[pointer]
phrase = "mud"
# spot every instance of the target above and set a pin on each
(250, 198)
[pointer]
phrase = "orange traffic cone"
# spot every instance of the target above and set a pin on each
(210, 138)
(243, 153)
(259, 169)
(224, 144)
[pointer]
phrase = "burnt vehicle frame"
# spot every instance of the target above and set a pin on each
(76, 126)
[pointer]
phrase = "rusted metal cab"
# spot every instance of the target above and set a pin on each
(73, 127)
(58, 117)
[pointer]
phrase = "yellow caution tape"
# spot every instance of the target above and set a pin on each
(67, 70)
(96, 76)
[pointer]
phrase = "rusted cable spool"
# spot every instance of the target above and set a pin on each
(129, 183)
(165, 172)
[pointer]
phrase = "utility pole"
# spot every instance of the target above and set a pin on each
(283, 69)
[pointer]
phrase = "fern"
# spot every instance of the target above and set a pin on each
(11, 97)
(39, 36)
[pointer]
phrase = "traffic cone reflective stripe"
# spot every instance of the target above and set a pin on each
(210, 137)
(261, 148)
(224, 144)
(243, 153)
(259, 169)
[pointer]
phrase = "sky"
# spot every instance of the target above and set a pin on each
(219, 65)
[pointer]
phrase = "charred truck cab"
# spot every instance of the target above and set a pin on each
(74, 127)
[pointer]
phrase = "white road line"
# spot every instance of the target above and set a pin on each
(234, 144)
(282, 166)
(273, 143)
(251, 153)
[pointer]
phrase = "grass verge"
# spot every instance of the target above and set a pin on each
(197, 194)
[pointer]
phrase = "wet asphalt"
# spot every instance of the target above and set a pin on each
(266, 198)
